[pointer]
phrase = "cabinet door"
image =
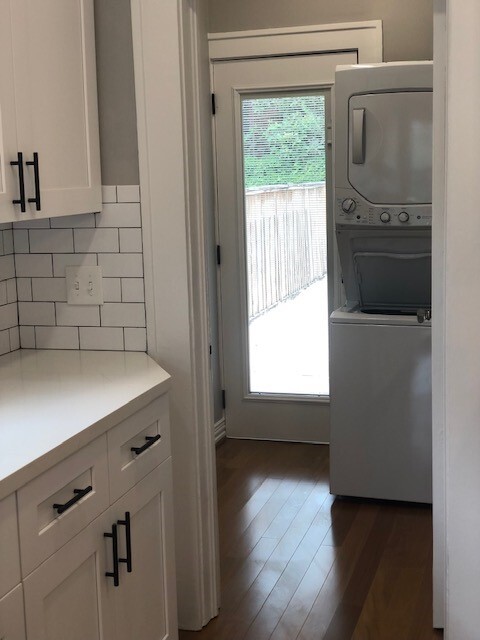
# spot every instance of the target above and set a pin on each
(145, 603)
(9, 185)
(69, 596)
(12, 623)
(9, 551)
(56, 103)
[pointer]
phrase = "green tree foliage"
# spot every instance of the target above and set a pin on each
(283, 140)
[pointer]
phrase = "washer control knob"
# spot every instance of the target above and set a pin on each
(385, 216)
(349, 205)
(403, 216)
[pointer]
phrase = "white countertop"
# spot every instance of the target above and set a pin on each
(53, 402)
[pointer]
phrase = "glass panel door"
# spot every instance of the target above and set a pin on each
(285, 208)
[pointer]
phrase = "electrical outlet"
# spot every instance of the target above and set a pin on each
(84, 285)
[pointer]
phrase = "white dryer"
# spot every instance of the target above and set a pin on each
(380, 342)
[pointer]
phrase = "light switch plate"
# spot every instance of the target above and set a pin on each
(84, 285)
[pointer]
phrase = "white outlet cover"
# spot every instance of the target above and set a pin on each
(84, 285)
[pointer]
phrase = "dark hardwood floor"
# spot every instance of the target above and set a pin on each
(297, 563)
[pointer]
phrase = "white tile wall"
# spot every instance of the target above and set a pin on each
(102, 339)
(132, 290)
(9, 332)
(111, 239)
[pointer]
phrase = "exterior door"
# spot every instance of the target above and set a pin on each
(272, 128)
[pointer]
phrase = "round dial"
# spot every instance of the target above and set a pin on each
(349, 205)
(403, 216)
(385, 216)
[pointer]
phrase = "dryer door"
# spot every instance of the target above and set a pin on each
(390, 147)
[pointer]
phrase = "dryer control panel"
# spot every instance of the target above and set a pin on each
(352, 209)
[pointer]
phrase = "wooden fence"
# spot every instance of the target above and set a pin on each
(286, 240)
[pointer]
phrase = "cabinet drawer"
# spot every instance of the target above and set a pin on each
(140, 431)
(9, 553)
(78, 487)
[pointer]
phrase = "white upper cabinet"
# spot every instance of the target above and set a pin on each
(55, 113)
(8, 127)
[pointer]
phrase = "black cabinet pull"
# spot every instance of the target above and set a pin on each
(115, 573)
(150, 440)
(79, 494)
(128, 541)
(21, 181)
(34, 163)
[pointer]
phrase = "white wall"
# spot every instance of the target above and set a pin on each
(407, 24)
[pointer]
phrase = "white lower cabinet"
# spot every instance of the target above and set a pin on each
(12, 624)
(70, 596)
(145, 601)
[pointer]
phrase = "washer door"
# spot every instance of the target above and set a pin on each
(394, 282)
(390, 147)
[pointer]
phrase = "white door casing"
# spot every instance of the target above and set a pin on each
(169, 137)
(439, 312)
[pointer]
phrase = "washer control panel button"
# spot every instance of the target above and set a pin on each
(349, 205)
(403, 216)
(385, 216)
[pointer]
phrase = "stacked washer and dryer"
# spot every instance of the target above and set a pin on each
(380, 341)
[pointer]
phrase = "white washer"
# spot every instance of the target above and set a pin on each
(380, 375)
(380, 355)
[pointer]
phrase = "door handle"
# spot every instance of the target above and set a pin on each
(128, 541)
(115, 573)
(79, 494)
(21, 182)
(358, 130)
(150, 440)
(34, 163)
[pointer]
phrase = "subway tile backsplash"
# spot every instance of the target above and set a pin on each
(9, 332)
(33, 258)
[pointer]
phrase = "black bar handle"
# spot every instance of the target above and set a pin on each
(150, 440)
(34, 163)
(79, 494)
(115, 573)
(21, 181)
(128, 541)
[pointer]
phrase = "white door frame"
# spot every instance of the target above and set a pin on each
(364, 37)
(166, 43)
(175, 282)
(439, 314)
(457, 283)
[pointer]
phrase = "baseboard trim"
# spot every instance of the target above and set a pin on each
(220, 431)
